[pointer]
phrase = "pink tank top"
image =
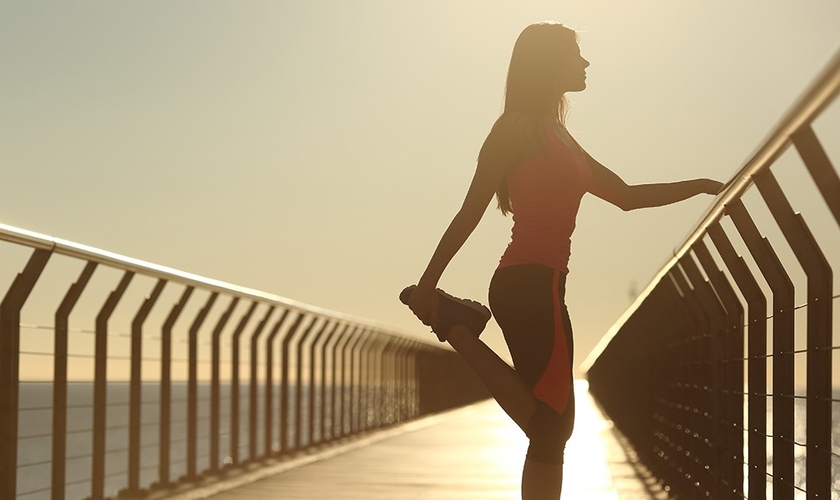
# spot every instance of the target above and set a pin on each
(545, 195)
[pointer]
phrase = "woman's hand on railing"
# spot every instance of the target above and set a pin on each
(711, 186)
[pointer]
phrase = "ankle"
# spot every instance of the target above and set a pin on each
(458, 334)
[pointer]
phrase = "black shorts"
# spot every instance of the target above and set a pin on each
(528, 304)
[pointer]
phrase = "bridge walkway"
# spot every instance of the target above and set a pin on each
(474, 452)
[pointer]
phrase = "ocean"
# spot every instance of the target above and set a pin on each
(35, 428)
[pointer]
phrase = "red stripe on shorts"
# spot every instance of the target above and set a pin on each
(554, 385)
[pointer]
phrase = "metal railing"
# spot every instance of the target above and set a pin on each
(713, 373)
(172, 377)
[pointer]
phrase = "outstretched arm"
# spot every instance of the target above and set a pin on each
(611, 188)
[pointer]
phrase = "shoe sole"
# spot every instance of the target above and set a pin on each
(454, 311)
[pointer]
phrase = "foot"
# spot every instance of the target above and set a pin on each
(454, 311)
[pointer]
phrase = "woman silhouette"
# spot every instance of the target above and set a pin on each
(539, 174)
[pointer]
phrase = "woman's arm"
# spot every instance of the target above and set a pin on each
(498, 154)
(611, 188)
(475, 203)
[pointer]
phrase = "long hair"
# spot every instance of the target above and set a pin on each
(535, 65)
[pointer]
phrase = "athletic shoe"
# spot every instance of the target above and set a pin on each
(454, 311)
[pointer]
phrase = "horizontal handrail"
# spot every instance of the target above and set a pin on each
(78, 250)
(811, 103)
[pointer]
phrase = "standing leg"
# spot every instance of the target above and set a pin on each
(527, 301)
(541, 481)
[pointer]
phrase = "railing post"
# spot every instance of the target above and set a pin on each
(100, 387)
(689, 395)
(382, 380)
(399, 349)
(338, 382)
(389, 372)
(284, 384)
(362, 398)
(336, 333)
(10, 365)
(135, 388)
(62, 320)
(166, 386)
(370, 409)
(710, 322)
(316, 391)
(408, 375)
(783, 330)
(408, 378)
(351, 386)
(819, 166)
(215, 375)
(412, 375)
(355, 389)
(421, 373)
(268, 410)
(679, 391)
(756, 363)
(300, 388)
(393, 380)
(733, 391)
(253, 392)
(818, 271)
(192, 387)
(234, 382)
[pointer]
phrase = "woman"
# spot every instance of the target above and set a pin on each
(539, 174)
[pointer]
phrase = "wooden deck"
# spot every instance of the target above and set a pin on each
(473, 453)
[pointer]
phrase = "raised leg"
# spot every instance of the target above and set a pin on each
(504, 384)
(539, 481)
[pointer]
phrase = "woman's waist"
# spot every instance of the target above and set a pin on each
(537, 231)
(555, 256)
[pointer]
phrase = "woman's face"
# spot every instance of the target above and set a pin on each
(572, 71)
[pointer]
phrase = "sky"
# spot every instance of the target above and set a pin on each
(318, 149)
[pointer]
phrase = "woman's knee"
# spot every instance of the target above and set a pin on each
(548, 432)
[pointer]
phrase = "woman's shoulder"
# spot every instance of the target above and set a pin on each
(515, 124)
(514, 135)
(514, 129)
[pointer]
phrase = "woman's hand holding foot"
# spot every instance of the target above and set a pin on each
(424, 304)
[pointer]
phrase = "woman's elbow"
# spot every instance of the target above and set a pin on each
(468, 217)
(628, 205)
(619, 202)
(621, 198)
(625, 203)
